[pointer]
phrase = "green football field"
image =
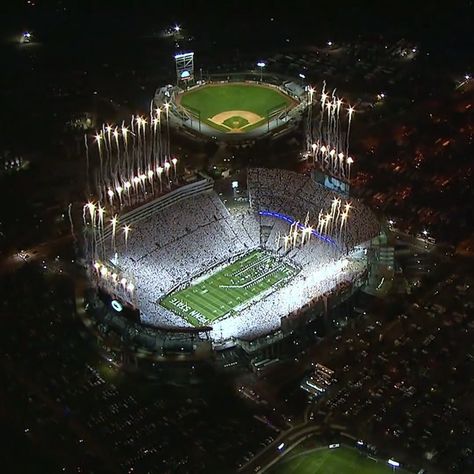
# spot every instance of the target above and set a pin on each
(333, 461)
(214, 99)
(221, 293)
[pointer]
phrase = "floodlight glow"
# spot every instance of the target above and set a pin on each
(185, 74)
(333, 446)
(393, 463)
(177, 28)
(281, 446)
(235, 184)
(183, 55)
(302, 76)
(261, 64)
(116, 306)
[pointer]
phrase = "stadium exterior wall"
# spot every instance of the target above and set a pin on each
(320, 307)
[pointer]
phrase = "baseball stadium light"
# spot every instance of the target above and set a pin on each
(393, 463)
(302, 76)
(177, 28)
(261, 65)
(181, 55)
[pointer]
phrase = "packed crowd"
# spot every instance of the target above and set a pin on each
(173, 246)
(298, 196)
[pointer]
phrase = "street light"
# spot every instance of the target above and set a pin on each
(261, 65)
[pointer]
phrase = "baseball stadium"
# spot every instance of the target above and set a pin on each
(235, 107)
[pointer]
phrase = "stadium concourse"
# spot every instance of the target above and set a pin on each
(191, 239)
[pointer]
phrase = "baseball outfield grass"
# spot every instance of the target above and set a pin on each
(212, 101)
(223, 292)
(333, 461)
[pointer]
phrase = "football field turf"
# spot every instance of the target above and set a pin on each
(221, 293)
(333, 461)
(212, 100)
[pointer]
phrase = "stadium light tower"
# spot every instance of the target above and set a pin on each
(261, 65)
(184, 67)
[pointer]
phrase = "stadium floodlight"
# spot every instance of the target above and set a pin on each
(334, 446)
(184, 67)
(261, 65)
(360, 442)
(177, 28)
(393, 463)
(425, 232)
(116, 305)
(281, 446)
(302, 76)
(329, 43)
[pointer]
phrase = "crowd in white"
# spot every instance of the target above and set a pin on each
(191, 237)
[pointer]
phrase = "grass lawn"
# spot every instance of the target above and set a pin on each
(235, 122)
(214, 99)
(333, 461)
(221, 293)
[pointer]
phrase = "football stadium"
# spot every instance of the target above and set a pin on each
(193, 263)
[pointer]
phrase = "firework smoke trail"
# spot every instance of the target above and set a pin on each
(160, 142)
(87, 165)
(168, 150)
(350, 111)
